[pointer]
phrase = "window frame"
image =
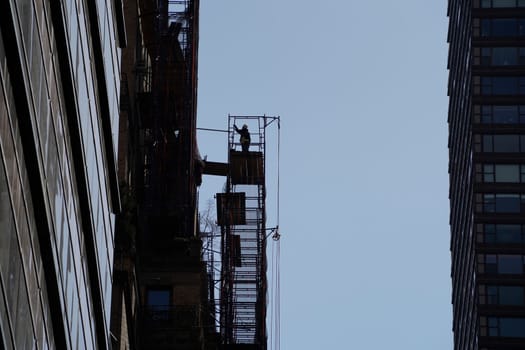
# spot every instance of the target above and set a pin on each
(501, 264)
(499, 114)
(494, 173)
(500, 233)
(493, 326)
(486, 4)
(496, 143)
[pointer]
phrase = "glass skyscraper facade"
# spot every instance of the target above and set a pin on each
(59, 110)
(487, 172)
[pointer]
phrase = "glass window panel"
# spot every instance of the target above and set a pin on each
(506, 143)
(488, 144)
(504, 3)
(512, 327)
(489, 203)
(504, 85)
(521, 56)
(158, 299)
(486, 114)
(491, 264)
(488, 173)
(509, 233)
(521, 87)
(511, 295)
(508, 173)
(485, 27)
(521, 27)
(490, 237)
(505, 114)
(510, 264)
(492, 293)
(491, 258)
(486, 85)
(504, 27)
(493, 326)
(508, 203)
(504, 56)
(490, 233)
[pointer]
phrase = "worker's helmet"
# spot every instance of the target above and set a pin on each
(245, 126)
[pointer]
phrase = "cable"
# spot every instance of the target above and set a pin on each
(276, 257)
(275, 334)
(278, 167)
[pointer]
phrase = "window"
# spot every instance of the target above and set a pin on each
(501, 233)
(158, 298)
(501, 143)
(501, 264)
(507, 173)
(503, 173)
(499, 56)
(503, 56)
(158, 303)
(501, 27)
(513, 327)
(510, 264)
(489, 114)
(499, 86)
(502, 295)
(502, 3)
(502, 203)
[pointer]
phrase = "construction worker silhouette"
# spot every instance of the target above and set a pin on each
(244, 138)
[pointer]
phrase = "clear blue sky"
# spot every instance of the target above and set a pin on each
(361, 90)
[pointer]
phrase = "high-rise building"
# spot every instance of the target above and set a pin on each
(487, 172)
(59, 110)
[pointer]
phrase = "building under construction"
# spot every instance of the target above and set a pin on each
(166, 294)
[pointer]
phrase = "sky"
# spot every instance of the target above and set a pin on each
(360, 87)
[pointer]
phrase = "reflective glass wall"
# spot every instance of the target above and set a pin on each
(56, 214)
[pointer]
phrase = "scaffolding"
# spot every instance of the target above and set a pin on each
(168, 253)
(167, 87)
(241, 215)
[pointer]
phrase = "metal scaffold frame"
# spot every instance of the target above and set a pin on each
(168, 140)
(241, 211)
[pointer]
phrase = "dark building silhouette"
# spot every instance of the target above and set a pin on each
(59, 93)
(160, 295)
(487, 172)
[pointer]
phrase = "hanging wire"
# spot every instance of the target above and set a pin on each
(272, 292)
(278, 168)
(278, 299)
(278, 258)
(275, 293)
